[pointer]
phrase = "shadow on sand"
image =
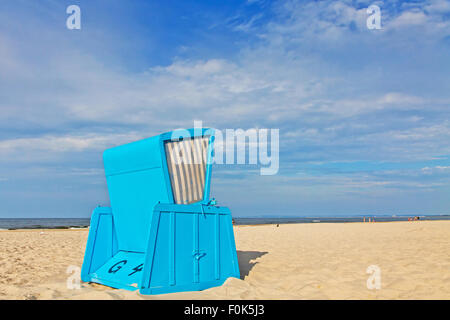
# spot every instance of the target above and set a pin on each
(245, 261)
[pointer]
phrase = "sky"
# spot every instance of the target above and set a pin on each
(363, 114)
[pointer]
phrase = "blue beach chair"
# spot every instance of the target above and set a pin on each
(162, 233)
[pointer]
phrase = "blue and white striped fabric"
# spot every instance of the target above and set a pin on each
(186, 161)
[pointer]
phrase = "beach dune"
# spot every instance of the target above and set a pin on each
(394, 260)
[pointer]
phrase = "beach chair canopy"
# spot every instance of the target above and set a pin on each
(158, 169)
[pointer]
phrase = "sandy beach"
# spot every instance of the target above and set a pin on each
(292, 261)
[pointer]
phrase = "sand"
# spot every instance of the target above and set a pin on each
(297, 261)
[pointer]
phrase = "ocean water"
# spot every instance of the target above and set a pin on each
(340, 219)
(67, 223)
(43, 223)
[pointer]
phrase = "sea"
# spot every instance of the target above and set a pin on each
(75, 223)
(43, 223)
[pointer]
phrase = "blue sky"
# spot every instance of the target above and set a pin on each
(364, 115)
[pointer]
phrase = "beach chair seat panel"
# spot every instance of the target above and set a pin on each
(124, 270)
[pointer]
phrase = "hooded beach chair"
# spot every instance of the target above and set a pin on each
(162, 233)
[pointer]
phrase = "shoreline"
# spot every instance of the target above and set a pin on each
(236, 225)
(43, 229)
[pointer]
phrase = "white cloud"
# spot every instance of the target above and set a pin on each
(436, 170)
(400, 98)
(409, 18)
(438, 6)
(424, 20)
(53, 147)
(249, 25)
